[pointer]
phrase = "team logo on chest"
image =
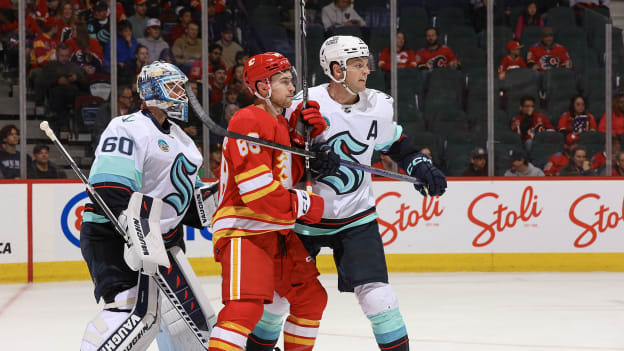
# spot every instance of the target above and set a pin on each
(163, 145)
(180, 172)
(346, 180)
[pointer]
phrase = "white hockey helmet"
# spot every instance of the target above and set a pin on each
(339, 49)
(159, 86)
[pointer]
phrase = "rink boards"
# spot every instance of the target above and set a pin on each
(498, 224)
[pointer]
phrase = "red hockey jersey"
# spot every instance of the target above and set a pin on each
(555, 164)
(545, 58)
(508, 63)
(539, 124)
(253, 194)
(405, 58)
(578, 124)
(440, 57)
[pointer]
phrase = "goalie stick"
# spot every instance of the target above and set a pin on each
(158, 277)
(217, 129)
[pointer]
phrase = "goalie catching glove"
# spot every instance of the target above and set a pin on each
(300, 118)
(145, 248)
(421, 167)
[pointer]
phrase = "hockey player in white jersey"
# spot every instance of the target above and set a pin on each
(359, 121)
(145, 169)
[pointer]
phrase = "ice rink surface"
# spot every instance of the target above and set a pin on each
(443, 311)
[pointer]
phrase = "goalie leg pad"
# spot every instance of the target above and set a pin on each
(131, 322)
(182, 281)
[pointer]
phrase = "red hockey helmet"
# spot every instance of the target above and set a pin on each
(262, 67)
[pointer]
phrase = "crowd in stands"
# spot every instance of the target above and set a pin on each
(440, 54)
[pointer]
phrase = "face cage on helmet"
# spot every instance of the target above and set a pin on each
(174, 104)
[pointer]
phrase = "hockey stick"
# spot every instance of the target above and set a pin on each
(158, 278)
(217, 129)
(304, 86)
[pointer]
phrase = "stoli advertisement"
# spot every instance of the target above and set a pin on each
(504, 216)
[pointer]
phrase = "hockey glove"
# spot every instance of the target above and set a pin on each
(327, 162)
(310, 116)
(309, 206)
(421, 167)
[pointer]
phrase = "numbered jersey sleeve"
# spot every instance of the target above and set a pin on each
(117, 170)
(252, 197)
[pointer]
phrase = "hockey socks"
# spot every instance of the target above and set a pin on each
(300, 333)
(389, 330)
(265, 334)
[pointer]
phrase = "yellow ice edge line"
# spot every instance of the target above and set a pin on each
(415, 263)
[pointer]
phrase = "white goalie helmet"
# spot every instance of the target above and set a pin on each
(339, 49)
(161, 85)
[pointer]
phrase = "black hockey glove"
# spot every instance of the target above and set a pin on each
(327, 162)
(421, 167)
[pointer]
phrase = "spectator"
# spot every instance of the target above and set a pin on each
(134, 66)
(245, 97)
(152, 40)
(521, 167)
(530, 17)
(184, 18)
(576, 120)
(599, 159)
(241, 58)
(99, 23)
(63, 80)
(214, 57)
(558, 160)
(229, 48)
(66, 19)
(529, 122)
(85, 51)
(511, 61)
(340, 13)
(617, 121)
(385, 162)
(44, 45)
(217, 111)
(41, 167)
(139, 19)
(230, 110)
(215, 160)
(125, 106)
(406, 58)
(435, 55)
(547, 54)
(187, 48)
(9, 156)
(47, 9)
(193, 126)
(478, 164)
(217, 85)
(126, 45)
(166, 56)
(618, 168)
(217, 20)
(578, 165)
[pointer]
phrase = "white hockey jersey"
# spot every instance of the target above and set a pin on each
(136, 152)
(354, 132)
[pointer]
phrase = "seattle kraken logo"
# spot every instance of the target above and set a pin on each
(180, 170)
(346, 180)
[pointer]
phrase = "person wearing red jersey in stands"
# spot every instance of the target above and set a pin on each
(558, 160)
(435, 55)
(511, 61)
(547, 54)
(529, 122)
(618, 116)
(405, 57)
(576, 119)
(530, 17)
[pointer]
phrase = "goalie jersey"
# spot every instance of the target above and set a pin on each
(253, 194)
(354, 132)
(136, 153)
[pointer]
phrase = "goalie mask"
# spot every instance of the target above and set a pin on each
(161, 85)
(261, 68)
(339, 49)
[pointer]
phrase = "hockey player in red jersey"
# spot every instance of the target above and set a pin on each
(261, 258)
